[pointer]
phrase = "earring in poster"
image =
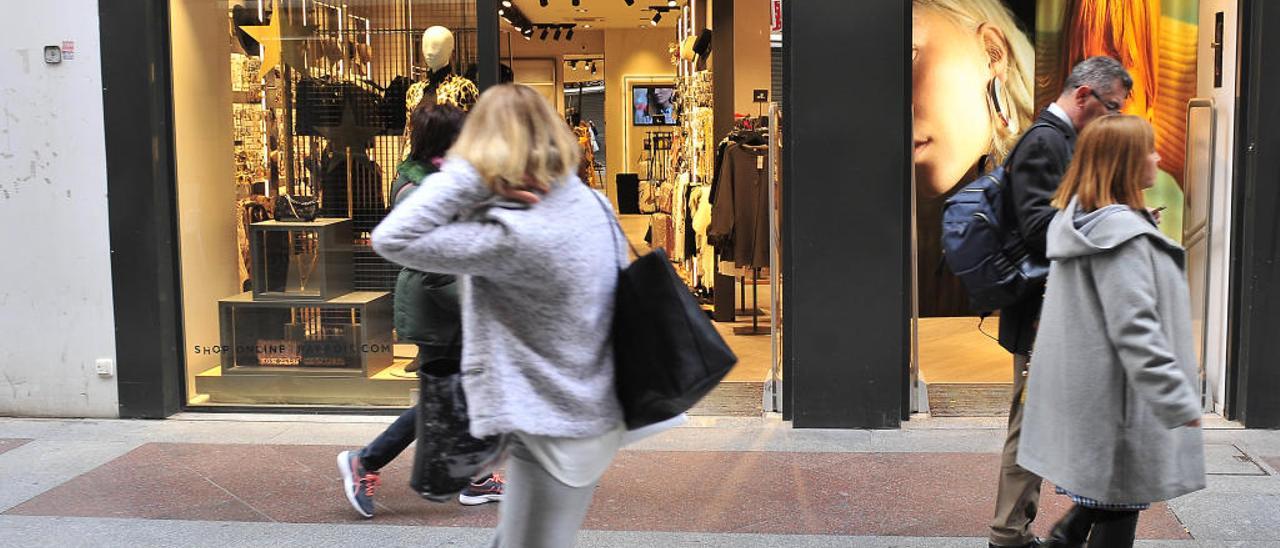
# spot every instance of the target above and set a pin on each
(1000, 103)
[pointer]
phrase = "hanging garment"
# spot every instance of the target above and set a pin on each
(740, 213)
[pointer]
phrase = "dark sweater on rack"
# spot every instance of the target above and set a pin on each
(740, 211)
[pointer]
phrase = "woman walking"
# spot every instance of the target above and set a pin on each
(539, 263)
(426, 314)
(1113, 407)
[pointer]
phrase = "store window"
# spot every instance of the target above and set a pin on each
(289, 125)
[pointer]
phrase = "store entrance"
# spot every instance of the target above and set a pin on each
(962, 370)
(689, 167)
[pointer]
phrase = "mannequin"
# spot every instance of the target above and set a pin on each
(441, 82)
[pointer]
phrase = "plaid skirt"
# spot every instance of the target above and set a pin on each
(1090, 503)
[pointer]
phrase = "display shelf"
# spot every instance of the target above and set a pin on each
(301, 260)
(349, 335)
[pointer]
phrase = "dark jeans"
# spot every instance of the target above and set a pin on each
(393, 441)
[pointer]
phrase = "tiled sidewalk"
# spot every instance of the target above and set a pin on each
(719, 483)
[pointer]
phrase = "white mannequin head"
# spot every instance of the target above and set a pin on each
(437, 47)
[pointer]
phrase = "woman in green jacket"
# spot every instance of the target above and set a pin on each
(426, 314)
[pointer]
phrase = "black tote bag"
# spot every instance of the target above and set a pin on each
(667, 354)
(447, 458)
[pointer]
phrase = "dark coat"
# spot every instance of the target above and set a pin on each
(1035, 171)
(427, 308)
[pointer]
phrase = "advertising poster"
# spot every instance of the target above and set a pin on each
(982, 70)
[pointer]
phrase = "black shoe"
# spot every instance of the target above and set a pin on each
(1035, 543)
(1114, 530)
(1072, 530)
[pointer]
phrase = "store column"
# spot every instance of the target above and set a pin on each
(847, 214)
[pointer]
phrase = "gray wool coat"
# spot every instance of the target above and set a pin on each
(1113, 375)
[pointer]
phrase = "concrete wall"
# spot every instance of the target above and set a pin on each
(205, 172)
(56, 310)
(632, 57)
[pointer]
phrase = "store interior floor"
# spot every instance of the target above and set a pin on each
(963, 369)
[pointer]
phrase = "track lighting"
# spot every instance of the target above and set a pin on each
(527, 32)
(557, 35)
(569, 35)
(543, 36)
(573, 65)
(657, 16)
(593, 68)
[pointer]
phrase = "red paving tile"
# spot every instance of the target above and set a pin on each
(9, 444)
(909, 494)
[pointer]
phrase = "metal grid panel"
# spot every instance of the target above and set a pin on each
(336, 107)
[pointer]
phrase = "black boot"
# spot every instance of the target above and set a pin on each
(1072, 530)
(1114, 530)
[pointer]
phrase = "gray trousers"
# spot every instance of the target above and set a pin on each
(1018, 495)
(537, 510)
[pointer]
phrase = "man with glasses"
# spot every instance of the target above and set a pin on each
(1096, 87)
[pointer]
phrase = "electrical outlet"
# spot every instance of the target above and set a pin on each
(105, 367)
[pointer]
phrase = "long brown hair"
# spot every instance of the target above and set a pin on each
(1109, 165)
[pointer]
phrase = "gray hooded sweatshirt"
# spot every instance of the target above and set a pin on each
(1113, 375)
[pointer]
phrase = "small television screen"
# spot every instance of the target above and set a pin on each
(654, 105)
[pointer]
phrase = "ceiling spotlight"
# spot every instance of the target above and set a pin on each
(569, 35)
(586, 26)
(557, 33)
(545, 31)
(527, 32)
(506, 3)
(672, 3)
(577, 3)
(593, 68)
(573, 65)
(542, 3)
(657, 16)
(631, 2)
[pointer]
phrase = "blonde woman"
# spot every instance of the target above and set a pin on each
(972, 88)
(539, 264)
(972, 95)
(1113, 408)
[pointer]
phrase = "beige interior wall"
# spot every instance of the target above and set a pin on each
(206, 177)
(585, 42)
(633, 56)
(751, 60)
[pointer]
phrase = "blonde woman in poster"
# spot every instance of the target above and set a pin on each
(972, 95)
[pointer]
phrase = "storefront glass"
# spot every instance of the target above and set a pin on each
(289, 122)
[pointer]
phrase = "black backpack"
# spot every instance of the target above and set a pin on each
(984, 247)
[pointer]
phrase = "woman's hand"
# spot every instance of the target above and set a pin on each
(527, 195)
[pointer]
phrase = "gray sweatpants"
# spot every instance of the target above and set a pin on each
(537, 510)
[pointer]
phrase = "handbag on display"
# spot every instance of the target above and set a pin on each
(447, 458)
(296, 208)
(667, 354)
